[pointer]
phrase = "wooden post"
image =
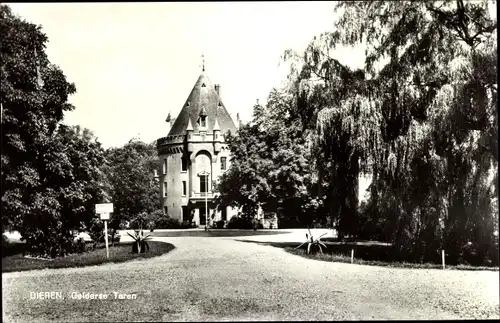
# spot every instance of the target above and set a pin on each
(352, 256)
(442, 257)
(106, 237)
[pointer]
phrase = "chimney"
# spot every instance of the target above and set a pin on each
(217, 89)
(238, 121)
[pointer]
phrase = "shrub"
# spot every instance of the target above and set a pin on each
(167, 222)
(111, 238)
(188, 225)
(5, 242)
(95, 229)
(151, 225)
(220, 224)
(80, 245)
(48, 241)
(238, 222)
(139, 221)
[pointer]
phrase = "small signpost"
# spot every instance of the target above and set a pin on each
(104, 210)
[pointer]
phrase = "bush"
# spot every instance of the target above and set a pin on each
(95, 229)
(111, 239)
(80, 245)
(289, 223)
(167, 222)
(5, 242)
(188, 225)
(220, 224)
(48, 241)
(237, 222)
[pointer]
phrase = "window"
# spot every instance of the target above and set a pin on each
(223, 163)
(184, 188)
(165, 166)
(203, 183)
(203, 121)
(184, 164)
(164, 188)
(166, 210)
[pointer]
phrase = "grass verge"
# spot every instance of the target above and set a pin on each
(333, 256)
(347, 259)
(119, 253)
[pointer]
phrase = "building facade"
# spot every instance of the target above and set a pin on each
(194, 154)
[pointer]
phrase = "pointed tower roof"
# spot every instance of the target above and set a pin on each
(203, 96)
(216, 125)
(189, 125)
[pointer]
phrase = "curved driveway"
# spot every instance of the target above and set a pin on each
(214, 279)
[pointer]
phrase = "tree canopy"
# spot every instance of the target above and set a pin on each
(50, 175)
(129, 180)
(269, 165)
(420, 117)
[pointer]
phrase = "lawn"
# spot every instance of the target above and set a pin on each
(365, 253)
(213, 233)
(13, 260)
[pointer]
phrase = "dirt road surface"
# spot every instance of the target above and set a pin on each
(220, 278)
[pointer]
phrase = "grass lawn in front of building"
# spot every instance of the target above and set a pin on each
(119, 253)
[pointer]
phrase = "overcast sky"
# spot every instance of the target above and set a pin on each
(133, 63)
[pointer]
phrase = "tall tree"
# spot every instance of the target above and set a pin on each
(270, 165)
(65, 202)
(130, 183)
(34, 99)
(420, 116)
(49, 171)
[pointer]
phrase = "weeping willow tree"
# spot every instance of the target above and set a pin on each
(420, 116)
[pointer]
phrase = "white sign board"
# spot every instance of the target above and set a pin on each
(104, 216)
(104, 208)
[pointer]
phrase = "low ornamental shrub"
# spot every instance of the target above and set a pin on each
(220, 224)
(188, 225)
(167, 222)
(111, 238)
(237, 222)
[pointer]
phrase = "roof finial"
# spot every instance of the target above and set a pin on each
(203, 62)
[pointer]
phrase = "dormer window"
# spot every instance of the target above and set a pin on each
(202, 118)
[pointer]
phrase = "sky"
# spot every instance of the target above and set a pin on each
(134, 63)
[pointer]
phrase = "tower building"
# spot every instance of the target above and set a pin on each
(194, 154)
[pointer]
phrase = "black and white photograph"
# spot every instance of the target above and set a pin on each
(249, 161)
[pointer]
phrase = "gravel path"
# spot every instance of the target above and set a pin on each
(214, 279)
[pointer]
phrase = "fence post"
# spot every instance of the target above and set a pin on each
(352, 255)
(442, 257)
